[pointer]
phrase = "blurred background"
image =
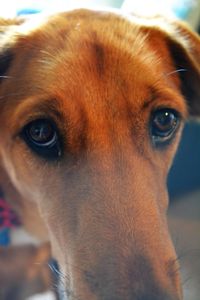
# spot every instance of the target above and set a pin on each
(184, 177)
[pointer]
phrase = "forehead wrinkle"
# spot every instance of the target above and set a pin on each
(129, 40)
(95, 49)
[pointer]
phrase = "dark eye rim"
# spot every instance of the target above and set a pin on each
(48, 122)
(163, 141)
(50, 150)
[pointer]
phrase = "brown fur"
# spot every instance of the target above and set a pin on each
(99, 76)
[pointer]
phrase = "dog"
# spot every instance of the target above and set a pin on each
(92, 106)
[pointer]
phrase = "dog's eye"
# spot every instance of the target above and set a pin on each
(164, 123)
(42, 137)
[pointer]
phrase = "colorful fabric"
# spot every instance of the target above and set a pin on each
(8, 218)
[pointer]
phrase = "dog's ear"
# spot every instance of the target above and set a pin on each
(5, 62)
(7, 40)
(184, 48)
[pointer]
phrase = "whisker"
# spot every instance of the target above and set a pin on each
(188, 252)
(55, 270)
(10, 95)
(4, 76)
(186, 280)
(60, 285)
(176, 71)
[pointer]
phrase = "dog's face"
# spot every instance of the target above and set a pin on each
(91, 110)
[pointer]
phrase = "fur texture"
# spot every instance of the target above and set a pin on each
(102, 204)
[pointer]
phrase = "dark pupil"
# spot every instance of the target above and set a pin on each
(42, 132)
(165, 121)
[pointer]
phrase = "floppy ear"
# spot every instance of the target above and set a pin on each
(184, 48)
(6, 27)
(8, 35)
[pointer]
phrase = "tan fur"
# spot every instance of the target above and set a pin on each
(99, 75)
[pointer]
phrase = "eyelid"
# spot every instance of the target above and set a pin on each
(171, 107)
(166, 98)
(32, 108)
(31, 118)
